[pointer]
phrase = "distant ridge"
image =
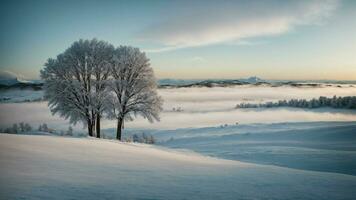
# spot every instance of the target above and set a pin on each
(10, 80)
(14, 82)
(23, 85)
(210, 82)
(10, 83)
(253, 79)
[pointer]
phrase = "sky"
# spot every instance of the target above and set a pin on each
(272, 39)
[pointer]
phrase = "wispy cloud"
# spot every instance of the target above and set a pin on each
(247, 42)
(163, 49)
(212, 22)
(198, 59)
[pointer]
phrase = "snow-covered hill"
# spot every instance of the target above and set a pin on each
(317, 146)
(48, 167)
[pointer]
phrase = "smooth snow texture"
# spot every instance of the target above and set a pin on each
(48, 167)
(317, 146)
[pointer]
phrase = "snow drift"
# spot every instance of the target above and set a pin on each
(47, 167)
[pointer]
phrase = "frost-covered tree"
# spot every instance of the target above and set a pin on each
(133, 88)
(101, 59)
(15, 128)
(40, 127)
(45, 127)
(74, 82)
(69, 131)
(27, 127)
(22, 126)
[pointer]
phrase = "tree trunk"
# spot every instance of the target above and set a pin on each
(93, 120)
(119, 127)
(90, 128)
(98, 126)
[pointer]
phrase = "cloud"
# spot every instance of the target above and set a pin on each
(199, 23)
(198, 59)
(247, 43)
(163, 49)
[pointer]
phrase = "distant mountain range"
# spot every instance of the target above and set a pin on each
(14, 82)
(253, 79)
(209, 82)
(10, 83)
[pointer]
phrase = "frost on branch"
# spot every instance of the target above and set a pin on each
(92, 77)
(133, 88)
(75, 81)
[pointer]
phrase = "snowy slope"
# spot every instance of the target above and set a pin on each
(317, 146)
(47, 167)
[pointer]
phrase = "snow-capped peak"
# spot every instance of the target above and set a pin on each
(9, 78)
(253, 79)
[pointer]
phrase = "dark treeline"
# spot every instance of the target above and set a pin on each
(25, 128)
(348, 102)
(17, 128)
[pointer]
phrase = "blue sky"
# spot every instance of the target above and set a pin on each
(306, 39)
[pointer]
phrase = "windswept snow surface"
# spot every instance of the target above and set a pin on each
(317, 146)
(48, 167)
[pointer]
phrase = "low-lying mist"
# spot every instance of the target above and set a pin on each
(201, 107)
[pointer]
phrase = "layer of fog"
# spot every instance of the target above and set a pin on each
(20, 95)
(202, 107)
(225, 98)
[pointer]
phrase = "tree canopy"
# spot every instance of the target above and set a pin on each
(92, 79)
